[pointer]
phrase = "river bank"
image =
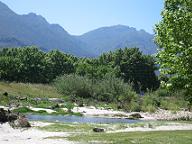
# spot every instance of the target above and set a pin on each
(160, 114)
(67, 133)
(92, 111)
(8, 135)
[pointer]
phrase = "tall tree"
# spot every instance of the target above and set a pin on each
(174, 37)
(58, 63)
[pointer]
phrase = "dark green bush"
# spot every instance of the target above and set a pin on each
(74, 86)
(109, 89)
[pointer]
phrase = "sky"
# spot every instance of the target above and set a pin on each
(80, 16)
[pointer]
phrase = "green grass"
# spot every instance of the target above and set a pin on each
(68, 127)
(29, 90)
(161, 137)
(58, 127)
(83, 133)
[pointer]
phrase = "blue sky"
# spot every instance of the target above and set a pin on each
(80, 16)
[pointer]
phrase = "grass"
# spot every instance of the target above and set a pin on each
(161, 137)
(73, 127)
(83, 133)
(58, 127)
(29, 90)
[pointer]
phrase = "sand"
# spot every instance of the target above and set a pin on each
(32, 135)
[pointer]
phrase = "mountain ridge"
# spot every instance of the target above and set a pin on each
(33, 29)
(121, 36)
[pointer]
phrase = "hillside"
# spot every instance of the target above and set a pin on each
(110, 38)
(32, 29)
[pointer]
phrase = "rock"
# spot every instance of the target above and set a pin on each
(21, 122)
(98, 129)
(65, 109)
(15, 120)
(12, 117)
(6, 116)
(3, 116)
(5, 94)
(56, 100)
(135, 116)
(21, 98)
(91, 107)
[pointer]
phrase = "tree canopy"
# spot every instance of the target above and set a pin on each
(174, 37)
(29, 64)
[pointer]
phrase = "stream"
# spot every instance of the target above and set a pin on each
(78, 119)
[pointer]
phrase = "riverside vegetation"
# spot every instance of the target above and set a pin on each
(116, 79)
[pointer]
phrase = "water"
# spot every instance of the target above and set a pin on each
(79, 119)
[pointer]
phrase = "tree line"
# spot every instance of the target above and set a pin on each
(30, 64)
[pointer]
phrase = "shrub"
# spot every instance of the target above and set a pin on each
(173, 103)
(109, 89)
(74, 86)
(164, 99)
(150, 103)
(112, 89)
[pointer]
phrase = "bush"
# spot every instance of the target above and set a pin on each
(74, 86)
(164, 99)
(150, 103)
(174, 104)
(112, 89)
(109, 89)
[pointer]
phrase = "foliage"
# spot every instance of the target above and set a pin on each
(29, 64)
(109, 89)
(162, 98)
(58, 63)
(129, 64)
(132, 66)
(174, 35)
(74, 85)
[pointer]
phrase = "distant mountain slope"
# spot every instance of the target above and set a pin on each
(10, 42)
(110, 38)
(33, 29)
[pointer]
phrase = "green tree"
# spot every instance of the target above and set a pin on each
(174, 37)
(58, 63)
(21, 64)
(132, 66)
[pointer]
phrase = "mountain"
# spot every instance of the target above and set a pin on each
(10, 42)
(110, 38)
(32, 29)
